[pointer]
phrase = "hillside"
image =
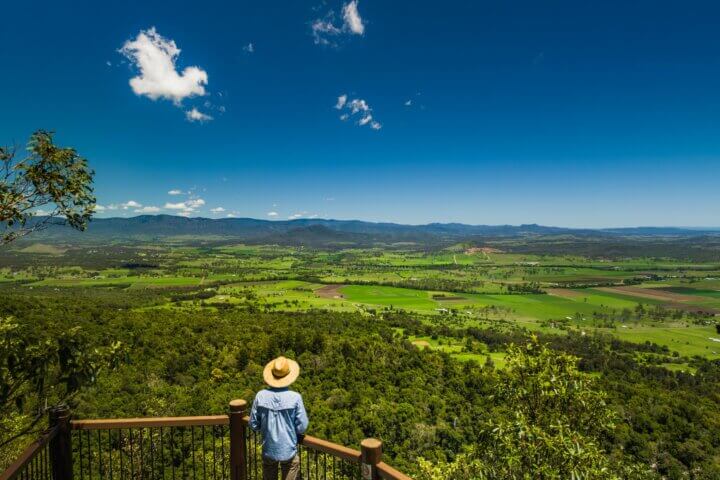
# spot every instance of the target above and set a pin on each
(323, 232)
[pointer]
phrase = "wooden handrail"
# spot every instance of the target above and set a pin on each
(389, 473)
(324, 446)
(330, 448)
(16, 468)
(110, 423)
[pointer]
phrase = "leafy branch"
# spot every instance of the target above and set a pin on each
(49, 176)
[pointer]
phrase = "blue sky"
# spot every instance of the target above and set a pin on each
(587, 114)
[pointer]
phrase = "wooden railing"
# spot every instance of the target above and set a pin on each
(188, 448)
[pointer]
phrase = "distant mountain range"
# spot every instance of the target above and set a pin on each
(321, 232)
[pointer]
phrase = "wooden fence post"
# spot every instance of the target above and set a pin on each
(371, 455)
(61, 446)
(238, 465)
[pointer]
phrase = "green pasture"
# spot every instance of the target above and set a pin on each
(688, 341)
(389, 296)
(456, 349)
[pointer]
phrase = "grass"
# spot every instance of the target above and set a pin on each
(688, 341)
(456, 348)
(389, 296)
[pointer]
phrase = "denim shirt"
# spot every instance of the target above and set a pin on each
(280, 415)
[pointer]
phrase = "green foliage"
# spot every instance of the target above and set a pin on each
(50, 176)
(555, 422)
(41, 368)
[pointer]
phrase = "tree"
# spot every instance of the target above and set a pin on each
(553, 431)
(50, 176)
(40, 368)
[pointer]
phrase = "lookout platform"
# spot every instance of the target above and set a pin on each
(185, 448)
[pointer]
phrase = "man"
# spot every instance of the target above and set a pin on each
(280, 415)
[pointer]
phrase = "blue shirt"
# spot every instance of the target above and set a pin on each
(280, 415)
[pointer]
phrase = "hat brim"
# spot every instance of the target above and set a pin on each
(285, 381)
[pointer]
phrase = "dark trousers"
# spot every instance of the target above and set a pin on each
(290, 469)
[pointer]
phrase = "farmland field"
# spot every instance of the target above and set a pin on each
(673, 304)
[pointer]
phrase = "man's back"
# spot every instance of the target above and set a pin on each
(279, 414)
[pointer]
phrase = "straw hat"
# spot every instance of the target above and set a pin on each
(281, 372)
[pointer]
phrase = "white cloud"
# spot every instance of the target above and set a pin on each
(352, 18)
(325, 30)
(230, 215)
(186, 206)
(175, 191)
(175, 206)
(272, 214)
(113, 206)
(359, 107)
(295, 216)
(342, 99)
(155, 57)
(249, 48)
(185, 213)
(217, 210)
(148, 209)
(99, 208)
(195, 203)
(408, 103)
(365, 120)
(195, 115)
(130, 204)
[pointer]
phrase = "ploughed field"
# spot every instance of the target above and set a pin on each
(674, 304)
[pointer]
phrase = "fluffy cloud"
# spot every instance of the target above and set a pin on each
(272, 214)
(194, 203)
(249, 48)
(341, 101)
(359, 109)
(358, 105)
(352, 18)
(130, 204)
(325, 31)
(408, 103)
(148, 209)
(175, 206)
(217, 210)
(195, 115)
(155, 57)
(295, 216)
(175, 192)
(99, 208)
(188, 206)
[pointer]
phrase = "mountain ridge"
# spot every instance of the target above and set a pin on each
(352, 231)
